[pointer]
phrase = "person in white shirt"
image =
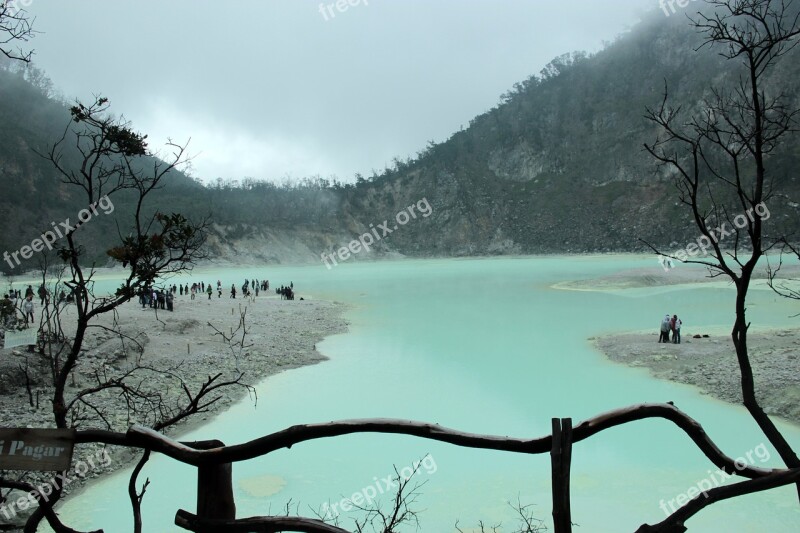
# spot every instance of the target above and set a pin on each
(664, 329)
(27, 309)
(676, 332)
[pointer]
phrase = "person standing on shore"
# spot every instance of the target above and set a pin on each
(665, 326)
(27, 309)
(233, 291)
(42, 294)
(676, 329)
(7, 310)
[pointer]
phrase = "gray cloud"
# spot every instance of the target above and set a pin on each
(271, 89)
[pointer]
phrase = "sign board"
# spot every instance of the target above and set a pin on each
(25, 337)
(36, 449)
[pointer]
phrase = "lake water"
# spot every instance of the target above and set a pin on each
(485, 346)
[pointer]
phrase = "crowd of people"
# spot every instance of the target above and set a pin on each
(16, 303)
(670, 325)
(287, 293)
(158, 298)
(164, 298)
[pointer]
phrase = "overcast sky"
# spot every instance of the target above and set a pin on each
(276, 88)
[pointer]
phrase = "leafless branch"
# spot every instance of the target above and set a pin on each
(15, 26)
(136, 496)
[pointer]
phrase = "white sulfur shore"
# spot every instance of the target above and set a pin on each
(282, 335)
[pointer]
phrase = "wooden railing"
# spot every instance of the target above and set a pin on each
(216, 508)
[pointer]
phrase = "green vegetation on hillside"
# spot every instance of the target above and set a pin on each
(556, 166)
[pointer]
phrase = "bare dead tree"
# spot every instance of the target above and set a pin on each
(15, 26)
(27, 373)
(526, 521)
(374, 517)
(235, 339)
(786, 287)
(401, 510)
(482, 527)
(114, 159)
(115, 162)
(136, 496)
(718, 153)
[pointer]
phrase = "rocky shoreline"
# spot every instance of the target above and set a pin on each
(280, 335)
(709, 363)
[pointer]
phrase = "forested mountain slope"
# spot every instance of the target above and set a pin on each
(557, 166)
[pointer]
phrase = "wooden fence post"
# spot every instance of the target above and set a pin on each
(214, 487)
(561, 457)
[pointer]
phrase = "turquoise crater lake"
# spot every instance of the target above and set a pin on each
(485, 346)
